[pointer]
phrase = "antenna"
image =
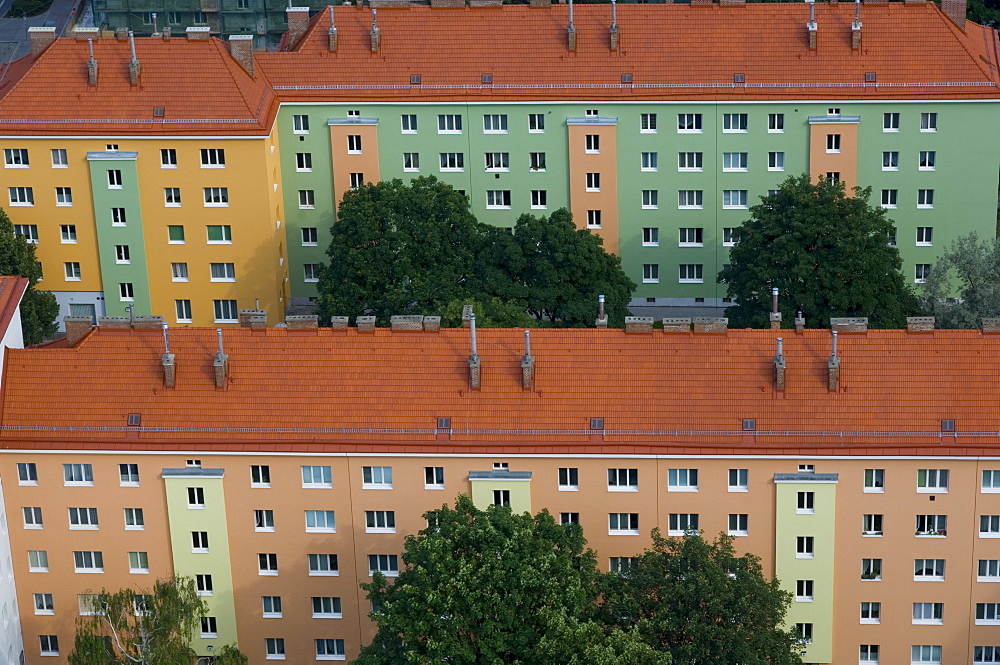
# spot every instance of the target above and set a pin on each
(166, 338)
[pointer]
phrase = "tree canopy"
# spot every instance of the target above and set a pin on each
(970, 269)
(39, 309)
(139, 627)
(826, 251)
(701, 603)
(418, 249)
(496, 587)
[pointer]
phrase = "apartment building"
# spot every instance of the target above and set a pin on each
(659, 145)
(283, 468)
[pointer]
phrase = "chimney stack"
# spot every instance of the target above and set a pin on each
(198, 32)
(602, 317)
(833, 365)
(474, 368)
(527, 363)
(241, 48)
(40, 38)
(779, 365)
(77, 327)
(571, 30)
(376, 33)
(811, 26)
(614, 26)
(221, 363)
(91, 64)
(856, 27)
(955, 10)
(800, 322)
(167, 359)
(298, 23)
(775, 314)
(332, 33)
(133, 66)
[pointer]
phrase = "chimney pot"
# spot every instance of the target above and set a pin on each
(241, 48)
(77, 327)
(40, 38)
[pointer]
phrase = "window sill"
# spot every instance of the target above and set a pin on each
(269, 657)
(989, 535)
(931, 622)
(33, 526)
(391, 573)
(689, 131)
(591, 190)
(136, 571)
(494, 131)
(114, 187)
(409, 131)
(89, 571)
(44, 612)
(874, 490)
(691, 207)
(45, 570)
(496, 171)
(928, 131)
(690, 170)
(324, 573)
(267, 573)
(734, 170)
(331, 657)
(327, 616)
(532, 170)
(804, 556)
(82, 527)
(452, 170)
(433, 487)
(498, 207)
(171, 205)
(924, 168)
(353, 152)
(22, 205)
(204, 593)
(932, 490)
(375, 486)
(184, 320)
(775, 131)
(264, 529)
(649, 170)
(888, 206)
(315, 529)
(979, 622)
(162, 166)
(690, 281)
(734, 131)
(411, 170)
(213, 166)
(34, 483)
(569, 488)
(741, 207)
(650, 244)
(682, 489)
(317, 486)
(775, 168)
(928, 578)
(16, 166)
(629, 532)
(209, 242)
(539, 207)
(741, 534)
(449, 131)
(690, 244)
(890, 130)
(216, 205)
(74, 483)
(222, 279)
(890, 168)
(871, 534)
(924, 207)
(644, 281)
(64, 205)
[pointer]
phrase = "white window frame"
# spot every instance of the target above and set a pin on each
(267, 564)
(686, 196)
(920, 272)
(300, 124)
(876, 479)
(689, 123)
(890, 160)
(134, 519)
(691, 273)
(925, 236)
(536, 123)
(307, 199)
(742, 480)
(739, 525)
(411, 162)
(592, 144)
(59, 159)
(927, 160)
(354, 144)
(593, 182)
(775, 161)
(83, 519)
(321, 521)
(376, 477)
(38, 561)
(203, 585)
(263, 520)
(890, 199)
(921, 566)
(270, 607)
(989, 526)
(871, 613)
(213, 158)
(805, 547)
(990, 613)
(651, 273)
(691, 236)
(303, 162)
(650, 199)
(593, 219)
(495, 195)
(651, 236)
(380, 521)
(495, 123)
(222, 272)
(623, 524)
(934, 481)
(569, 479)
(408, 123)
(925, 199)
(27, 473)
(327, 607)
(182, 309)
(925, 654)
(32, 517)
(890, 122)
(734, 162)
(433, 477)
(168, 158)
(539, 199)
(776, 123)
(620, 480)
(804, 591)
(690, 162)
(309, 478)
(455, 162)
(77, 470)
(735, 123)
(88, 561)
(449, 123)
(48, 645)
(928, 122)
(872, 524)
(139, 563)
(649, 162)
(216, 197)
(43, 603)
(21, 196)
(740, 197)
(391, 567)
(682, 480)
(497, 162)
(988, 570)
(681, 524)
(274, 647)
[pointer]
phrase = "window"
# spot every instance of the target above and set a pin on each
(49, 645)
(310, 236)
(316, 476)
(213, 158)
(449, 124)
(409, 123)
(734, 198)
(225, 311)
(871, 569)
(497, 198)
(689, 199)
(500, 161)
(804, 631)
(326, 607)
(593, 182)
(21, 196)
(59, 160)
(803, 591)
(650, 273)
(43, 603)
(376, 477)
(274, 647)
(989, 526)
(354, 144)
(682, 480)
(32, 517)
(651, 237)
(680, 524)
(168, 158)
(890, 122)
(734, 161)
(27, 474)
(64, 196)
(623, 524)
(387, 564)
(921, 272)
(989, 570)
(927, 159)
(689, 161)
(833, 142)
(739, 480)
(734, 122)
(208, 627)
(125, 291)
(889, 197)
(303, 161)
(263, 520)
(648, 161)
(986, 655)
(38, 561)
(452, 161)
(494, 124)
(536, 161)
(300, 124)
(621, 564)
(134, 520)
(689, 123)
(593, 144)
(138, 562)
(871, 525)
(925, 198)
(738, 524)
(775, 161)
(260, 475)
(411, 161)
(569, 480)
(890, 161)
(182, 309)
(216, 196)
(803, 547)
(78, 474)
(650, 199)
(329, 649)
(89, 562)
(199, 541)
(175, 235)
(932, 480)
(203, 584)
(593, 219)
(832, 177)
(114, 179)
(647, 123)
(986, 613)
(925, 654)
(871, 612)
(539, 199)
(179, 272)
(928, 122)
(690, 273)
(691, 237)
(925, 570)
(730, 236)
(874, 480)
(267, 564)
(805, 503)
(592, 113)
(433, 477)
(380, 521)
(536, 123)
(83, 518)
(320, 521)
(775, 122)
(196, 498)
(501, 497)
(223, 272)
(569, 518)
(925, 236)
(310, 272)
(623, 480)
(27, 231)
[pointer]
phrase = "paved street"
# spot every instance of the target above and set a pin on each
(14, 30)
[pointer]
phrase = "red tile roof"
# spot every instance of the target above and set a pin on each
(384, 391)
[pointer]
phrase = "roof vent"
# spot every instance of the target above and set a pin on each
(157, 111)
(597, 423)
(811, 26)
(749, 425)
(833, 365)
(739, 78)
(444, 423)
(869, 77)
(474, 365)
(527, 363)
(779, 364)
(375, 32)
(626, 78)
(414, 79)
(947, 425)
(91, 64)
(220, 363)
(487, 78)
(331, 33)
(134, 419)
(856, 31)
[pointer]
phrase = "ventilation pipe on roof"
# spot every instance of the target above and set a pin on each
(602, 317)
(331, 34)
(779, 365)
(833, 365)
(775, 314)
(167, 360)
(375, 34)
(800, 322)
(614, 25)
(571, 30)
(156, 33)
(91, 64)
(811, 26)
(474, 356)
(527, 363)
(133, 65)
(856, 27)
(221, 363)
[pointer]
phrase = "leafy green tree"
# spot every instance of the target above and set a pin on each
(969, 269)
(826, 251)
(495, 587)
(703, 604)
(39, 309)
(132, 627)
(565, 269)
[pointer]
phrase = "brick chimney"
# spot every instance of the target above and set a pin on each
(849, 324)
(331, 33)
(527, 363)
(833, 365)
(221, 363)
(198, 32)
(302, 322)
(366, 324)
(677, 325)
(241, 48)
(779, 365)
(466, 314)
(800, 323)
(376, 34)
(298, 23)
(40, 39)
(475, 369)
(955, 10)
(811, 27)
(167, 360)
(339, 322)
(638, 324)
(920, 324)
(134, 67)
(146, 322)
(711, 324)
(77, 327)
(432, 323)
(255, 319)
